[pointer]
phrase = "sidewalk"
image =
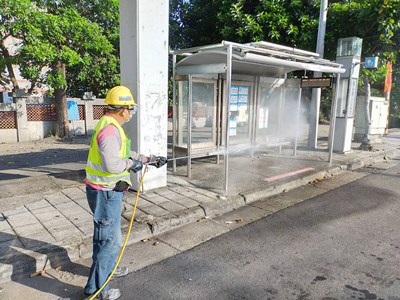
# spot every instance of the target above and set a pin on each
(45, 220)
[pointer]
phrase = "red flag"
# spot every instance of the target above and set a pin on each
(388, 79)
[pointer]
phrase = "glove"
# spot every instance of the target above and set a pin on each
(137, 165)
(158, 161)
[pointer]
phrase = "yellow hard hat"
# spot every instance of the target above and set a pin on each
(120, 96)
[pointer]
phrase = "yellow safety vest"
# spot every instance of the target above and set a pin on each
(95, 172)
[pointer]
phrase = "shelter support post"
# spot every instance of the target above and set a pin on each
(255, 110)
(333, 118)
(297, 123)
(174, 113)
(228, 99)
(189, 126)
(282, 103)
(218, 118)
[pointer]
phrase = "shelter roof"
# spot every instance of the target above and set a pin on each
(259, 58)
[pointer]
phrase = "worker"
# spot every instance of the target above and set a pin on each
(107, 178)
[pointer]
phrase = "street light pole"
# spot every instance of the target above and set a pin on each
(316, 92)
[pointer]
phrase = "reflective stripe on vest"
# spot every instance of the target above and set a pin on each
(95, 172)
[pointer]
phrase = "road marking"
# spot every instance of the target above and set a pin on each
(277, 177)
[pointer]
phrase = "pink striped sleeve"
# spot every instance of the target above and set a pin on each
(109, 130)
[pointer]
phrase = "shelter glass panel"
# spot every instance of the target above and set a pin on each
(182, 96)
(295, 118)
(203, 119)
(270, 112)
(280, 116)
(204, 113)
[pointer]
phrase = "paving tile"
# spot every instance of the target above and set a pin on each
(16, 211)
(57, 198)
(204, 192)
(38, 205)
(184, 201)
(37, 240)
(4, 225)
(80, 217)
(22, 219)
(149, 195)
(171, 206)
(86, 227)
(184, 191)
(74, 193)
(164, 191)
(155, 210)
(82, 202)
(202, 198)
(46, 214)
(70, 209)
(158, 200)
(26, 231)
(62, 233)
(57, 223)
(142, 203)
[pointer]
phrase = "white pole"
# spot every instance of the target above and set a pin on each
(297, 123)
(228, 99)
(333, 119)
(316, 93)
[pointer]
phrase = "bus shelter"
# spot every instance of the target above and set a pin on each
(232, 96)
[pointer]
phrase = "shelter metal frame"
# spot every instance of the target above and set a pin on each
(257, 59)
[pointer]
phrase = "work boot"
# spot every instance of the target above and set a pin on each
(110, 294)
(121, 271)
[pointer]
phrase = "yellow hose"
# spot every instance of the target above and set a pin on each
(126, 238)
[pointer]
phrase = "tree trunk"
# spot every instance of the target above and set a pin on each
(10, 69)
(62, 128)
(366, 142)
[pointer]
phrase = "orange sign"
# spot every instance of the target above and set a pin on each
(388, 79)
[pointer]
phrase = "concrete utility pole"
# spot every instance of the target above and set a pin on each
(144, 69)
(316, 93)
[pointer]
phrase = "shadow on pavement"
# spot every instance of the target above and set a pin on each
(24, 262)
(50, 161)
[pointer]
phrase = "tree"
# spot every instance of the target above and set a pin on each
(10, 12)
(98, 72)
(290, 22)
(55, 39)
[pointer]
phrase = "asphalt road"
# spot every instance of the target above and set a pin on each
(344, 244)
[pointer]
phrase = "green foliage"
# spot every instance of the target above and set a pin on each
(295, 23)
(83, 36)
(201, 22)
